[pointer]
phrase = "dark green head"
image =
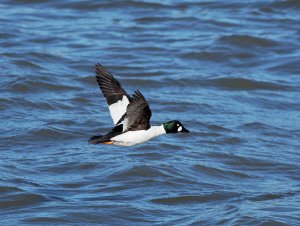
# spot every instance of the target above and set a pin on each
(174, 127)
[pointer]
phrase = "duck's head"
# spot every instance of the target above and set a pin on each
(174, 127)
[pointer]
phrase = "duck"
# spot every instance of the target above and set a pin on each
(130, 115)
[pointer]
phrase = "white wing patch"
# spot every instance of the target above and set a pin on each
(125, 124)
(118, 109)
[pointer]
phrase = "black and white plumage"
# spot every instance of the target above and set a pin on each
(131, 115)
(138, 113)
(116, 97)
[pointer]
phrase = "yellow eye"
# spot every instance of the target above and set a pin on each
(177, 125)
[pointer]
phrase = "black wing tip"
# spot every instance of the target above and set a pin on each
(139, 96)
(98, 65)
(101, 71)
(137, 93)
(98, 68)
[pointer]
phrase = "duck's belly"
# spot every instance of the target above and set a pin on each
(132, 138)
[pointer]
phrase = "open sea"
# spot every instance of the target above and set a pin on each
(228, 70)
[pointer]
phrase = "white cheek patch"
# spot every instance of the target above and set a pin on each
(179, 128)
(118, 109)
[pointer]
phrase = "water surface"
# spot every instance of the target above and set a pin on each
(229, 70)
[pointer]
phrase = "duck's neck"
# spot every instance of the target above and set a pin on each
(157, 130)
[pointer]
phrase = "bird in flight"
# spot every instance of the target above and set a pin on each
(130, 114)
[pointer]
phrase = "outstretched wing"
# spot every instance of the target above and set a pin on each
(116, 97)
(138, 114)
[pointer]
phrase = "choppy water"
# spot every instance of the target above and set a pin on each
(230, 71)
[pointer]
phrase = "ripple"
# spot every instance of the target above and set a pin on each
(147, 20)
(218, 128)
(291, 67)
(255, 126)
(45, 220)
(235, 160)
(248, 41)
(287, 4)
(91, 5)
(204, 55)
(32, 86)
(267, 197)
(149, 155)
(51, 133)
(5, 35)
(27, 64)
(72, 185)
(236, 58)
(28, 1)
(43, 40)
(215, 172)
(7, 189)
(233, 140)
(69, 167)
(22, 200)
(243, 84)
(143, 171)
(195, 199)
(45, 56)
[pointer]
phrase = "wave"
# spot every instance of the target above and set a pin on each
(30, 85)
(92, 5)
(218, 172)
(195, 199)
(50, 133)
(248, 41)
(143, 171)
(243, 84)
(22, 200)
(291, 67)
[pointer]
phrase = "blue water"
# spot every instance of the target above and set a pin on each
(228, 70)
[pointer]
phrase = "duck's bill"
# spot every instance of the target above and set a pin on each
(184, 130)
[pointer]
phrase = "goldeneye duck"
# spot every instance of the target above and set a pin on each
(131, 115)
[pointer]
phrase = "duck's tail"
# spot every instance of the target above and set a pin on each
(98, 139)
(105, 139)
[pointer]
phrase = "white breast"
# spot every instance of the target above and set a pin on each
(137, 137)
